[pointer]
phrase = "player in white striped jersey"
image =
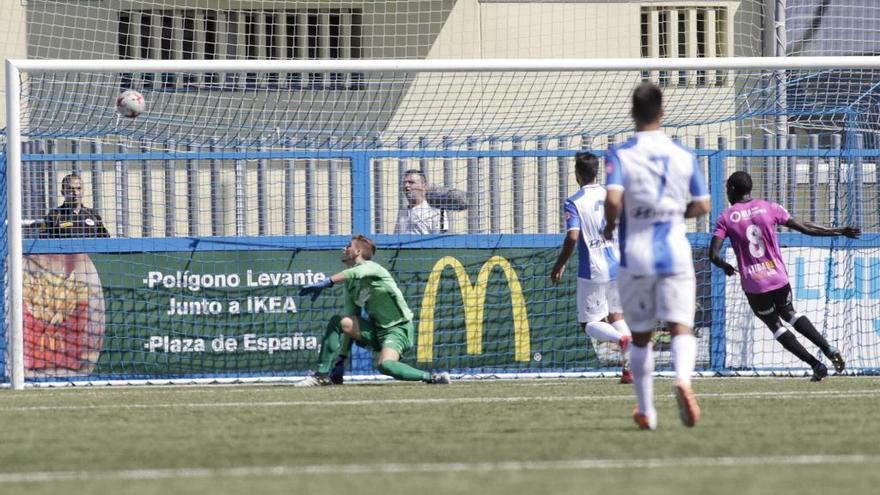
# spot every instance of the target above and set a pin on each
(598, 302)
(653, 185)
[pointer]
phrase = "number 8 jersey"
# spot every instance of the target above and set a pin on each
(751, 227)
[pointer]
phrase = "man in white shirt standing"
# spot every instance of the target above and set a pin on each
(653, 185)
(419, 217)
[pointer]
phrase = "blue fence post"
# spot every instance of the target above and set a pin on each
(192, 192)
(147, 194)
(562, 175)
(289, 191)
(792, 175)
(518, 195)
(700, 145)
(333, 189)
(170, 205)
(834, 179)
(474, 190)
(378, 194)
(262, 191)
(717, 335)
(240, 194)
(96, 167)
(360, 192)
(767, 185)
(541, 145)
(310, 189)
(120, 178)
(494, 187)
(814, 175)
(216, 188)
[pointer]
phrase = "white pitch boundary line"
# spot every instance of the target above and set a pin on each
(441, 467)
(821, 394)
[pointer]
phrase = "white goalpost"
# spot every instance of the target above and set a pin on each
(274, 158)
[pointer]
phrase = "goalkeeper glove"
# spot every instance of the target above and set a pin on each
(315, 288)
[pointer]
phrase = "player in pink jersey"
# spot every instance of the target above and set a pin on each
(751, 226)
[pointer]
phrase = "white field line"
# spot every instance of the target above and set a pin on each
(820, 394)
(441, 467)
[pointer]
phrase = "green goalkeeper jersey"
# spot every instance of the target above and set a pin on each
(368, 285)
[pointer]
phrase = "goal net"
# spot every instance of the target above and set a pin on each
(242, 180)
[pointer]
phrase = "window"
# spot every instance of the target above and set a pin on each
(247, 35)
(685, 31)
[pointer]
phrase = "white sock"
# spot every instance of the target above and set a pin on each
(641, 361)
(684, 357)
(602, 331)
(621, 327)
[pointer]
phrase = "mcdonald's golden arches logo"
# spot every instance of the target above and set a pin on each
(473, 298)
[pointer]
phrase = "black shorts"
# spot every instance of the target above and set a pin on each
(776, 301)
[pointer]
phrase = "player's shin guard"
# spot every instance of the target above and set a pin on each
(331, 343)
(401, 371)
(641, 361)
(684, 357)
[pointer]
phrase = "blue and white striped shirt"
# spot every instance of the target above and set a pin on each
(658, 178)
(584, 211)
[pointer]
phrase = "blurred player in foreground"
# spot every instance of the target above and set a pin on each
(661, 184)
(598, 302)
(376, 317)
(751, 226)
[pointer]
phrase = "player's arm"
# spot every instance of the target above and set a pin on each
(697, 208)
(314, 289)
(568, 245)
(613, 207)
(820, 231)
(700, 204)
(573, 232)
(715, 258)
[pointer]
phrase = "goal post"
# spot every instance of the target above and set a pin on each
(242, 177)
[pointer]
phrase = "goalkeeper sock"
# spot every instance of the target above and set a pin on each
(401, 371)
(641, 361)
(791, 344)
(805, 327)
(684, 357)
(330, 345)
(602, 331)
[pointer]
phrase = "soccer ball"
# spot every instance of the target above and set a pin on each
(130, 104)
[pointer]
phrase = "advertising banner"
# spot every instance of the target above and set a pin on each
(239, 313)
(838, 291)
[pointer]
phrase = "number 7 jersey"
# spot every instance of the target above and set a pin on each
(657, 177)
(751, 227)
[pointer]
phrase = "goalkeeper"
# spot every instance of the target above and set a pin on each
(376, 316)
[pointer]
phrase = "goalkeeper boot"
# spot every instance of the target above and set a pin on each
(337, 373)
(645, 421)
(836, 359)
(313, 381)
(688, 409)
(440, 378)
(820, 371)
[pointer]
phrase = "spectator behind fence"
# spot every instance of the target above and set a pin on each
(72, 219)
(418, 217)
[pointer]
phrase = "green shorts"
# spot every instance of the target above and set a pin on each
(399, 337)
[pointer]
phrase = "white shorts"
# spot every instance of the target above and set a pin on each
(649, 298)
(596, 299)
